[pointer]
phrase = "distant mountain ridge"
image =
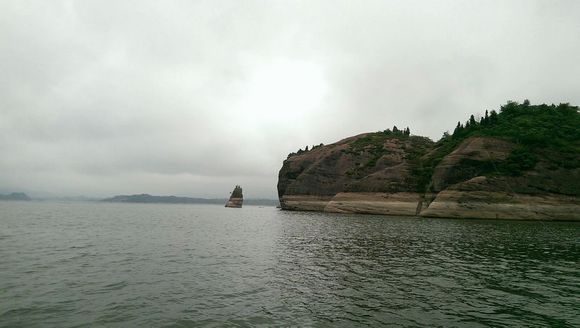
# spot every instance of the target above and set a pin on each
(15, 196)
(146, 198)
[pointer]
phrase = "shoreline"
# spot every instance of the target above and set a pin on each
(449, 204)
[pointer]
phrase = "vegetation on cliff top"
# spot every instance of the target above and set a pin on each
(547, 132)
(237, 193)
(374, 144)
(532, 128)
(545, 137)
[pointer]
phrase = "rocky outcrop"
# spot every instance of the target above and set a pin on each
(368, 173)
(465, 161)
(382, 173)
(398, 203)
(502, 205)
(236, 198)
(304, 202)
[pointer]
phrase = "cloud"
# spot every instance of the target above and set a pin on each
(185, 97)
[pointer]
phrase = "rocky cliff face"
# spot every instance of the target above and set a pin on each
(375, 162)
(236, 198)
(368, 173)
(386, 173)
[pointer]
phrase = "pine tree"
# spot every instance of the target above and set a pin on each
(492, 117)
(457, 129)
(472, 121)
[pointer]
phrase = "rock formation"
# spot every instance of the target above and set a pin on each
(480, 171)
(236, 198)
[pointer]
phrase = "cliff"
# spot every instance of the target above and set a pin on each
(236, 199)
(520, 163)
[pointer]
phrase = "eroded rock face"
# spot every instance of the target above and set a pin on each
(456, 167)
(502, 205)
(401, 203)
(353, 165)
(376, 176)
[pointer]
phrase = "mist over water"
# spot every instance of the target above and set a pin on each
(97, 264)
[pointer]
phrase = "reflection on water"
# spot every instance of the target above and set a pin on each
(68, 264)
(430, 272)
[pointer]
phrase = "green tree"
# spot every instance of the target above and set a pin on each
(526, 103)
(493, 117)
(458, 129)
(472, 121)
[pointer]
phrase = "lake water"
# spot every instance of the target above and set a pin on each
(128, 265)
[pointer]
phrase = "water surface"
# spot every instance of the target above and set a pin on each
(120, 265)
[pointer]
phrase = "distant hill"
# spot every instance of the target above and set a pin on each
(146, 198)
(15, 196)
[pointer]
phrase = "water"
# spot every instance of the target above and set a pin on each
(123, 265)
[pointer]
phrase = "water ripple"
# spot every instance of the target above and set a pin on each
(90, 264)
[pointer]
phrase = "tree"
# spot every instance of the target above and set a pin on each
(510, 107)
(472, 120)
(526, 102)
(493, 117)
(395, 130)
(458, 128)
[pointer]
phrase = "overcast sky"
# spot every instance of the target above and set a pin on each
(190, 98)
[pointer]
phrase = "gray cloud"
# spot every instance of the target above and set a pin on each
(191, 98)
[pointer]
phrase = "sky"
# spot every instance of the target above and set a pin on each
(190, 98)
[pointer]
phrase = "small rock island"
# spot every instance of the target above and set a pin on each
(236, 198)
(522, 162)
